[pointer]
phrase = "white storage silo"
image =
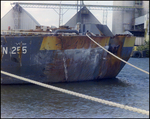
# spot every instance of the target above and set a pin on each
(122, 19)
(18, 18)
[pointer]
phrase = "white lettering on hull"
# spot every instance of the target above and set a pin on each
(14, 50)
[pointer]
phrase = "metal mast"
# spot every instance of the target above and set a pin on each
(79, 14)
(105, 12)
(60, 15)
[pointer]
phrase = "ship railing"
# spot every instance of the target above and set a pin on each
(17, 32)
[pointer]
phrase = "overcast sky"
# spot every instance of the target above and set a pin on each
(48, 17)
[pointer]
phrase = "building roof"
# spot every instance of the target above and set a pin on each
(83, 16)
(18, 18)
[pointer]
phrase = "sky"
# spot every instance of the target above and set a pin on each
(49, 17)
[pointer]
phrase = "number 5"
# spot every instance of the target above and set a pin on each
(24, 50)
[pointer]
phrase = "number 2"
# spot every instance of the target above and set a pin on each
(13, 50)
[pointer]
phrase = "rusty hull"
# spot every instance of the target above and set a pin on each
(63, 58)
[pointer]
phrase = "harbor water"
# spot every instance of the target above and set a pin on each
(130, 87)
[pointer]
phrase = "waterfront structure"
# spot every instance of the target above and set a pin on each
(136, 21)
(18, 18)
(88, 22)
(83, 16)
(130, 16)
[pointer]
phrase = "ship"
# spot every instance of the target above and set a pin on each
(65, 54)
(62, 55)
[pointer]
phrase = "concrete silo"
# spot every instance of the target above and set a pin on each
(135, 21)
(145, 5)
(130, 20)
(122, 19)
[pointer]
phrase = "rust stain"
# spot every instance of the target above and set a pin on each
(55, 70)
(5, 39)
(20, 53)
(113, 64)
(68, 62)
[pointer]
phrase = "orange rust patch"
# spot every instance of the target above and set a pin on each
(20, 53)
(71, 42)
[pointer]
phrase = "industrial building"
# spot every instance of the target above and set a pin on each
(88, 22)
(18, 18)
(136, 21)
(83, 16)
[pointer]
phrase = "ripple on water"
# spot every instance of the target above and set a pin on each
(130, 87)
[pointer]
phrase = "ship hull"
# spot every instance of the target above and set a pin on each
(52, 59)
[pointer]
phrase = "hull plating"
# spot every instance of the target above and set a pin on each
(62, 58)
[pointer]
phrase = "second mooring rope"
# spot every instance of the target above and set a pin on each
(79, 94)
(116, 56)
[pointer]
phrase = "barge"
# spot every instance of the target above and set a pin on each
(62, 56)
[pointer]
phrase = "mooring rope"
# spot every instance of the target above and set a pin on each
(116, 56)
(79, 94)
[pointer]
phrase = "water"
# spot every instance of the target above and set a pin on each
(130, 87)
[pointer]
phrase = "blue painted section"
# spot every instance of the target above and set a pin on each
(126, 51)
